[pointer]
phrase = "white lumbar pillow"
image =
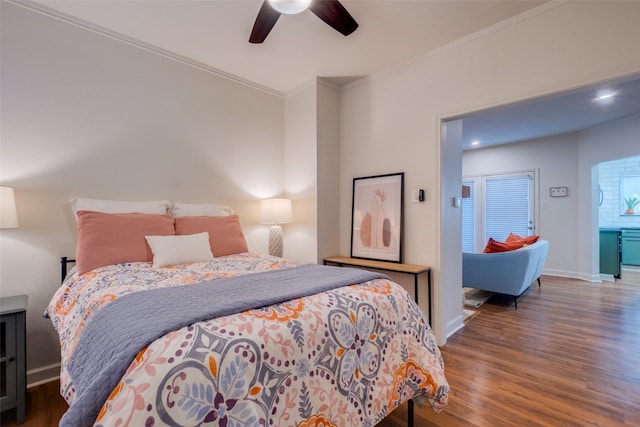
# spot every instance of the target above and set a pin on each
(172, 250)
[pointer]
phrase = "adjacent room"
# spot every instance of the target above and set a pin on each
(238, 118)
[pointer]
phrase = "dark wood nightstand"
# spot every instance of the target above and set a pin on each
(13, 355)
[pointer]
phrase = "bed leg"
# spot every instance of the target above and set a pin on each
(410, 414)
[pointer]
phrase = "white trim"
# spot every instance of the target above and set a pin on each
(572, 275)
(52, 13)
(607, 277)
(303, 86)
(455, 325)
(43, 375)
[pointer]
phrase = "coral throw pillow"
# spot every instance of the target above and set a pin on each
(495, 246)
(525, 240)
(106, 239)
(225, 232)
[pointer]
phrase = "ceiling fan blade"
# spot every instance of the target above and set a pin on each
(266, 19)
(334, 14)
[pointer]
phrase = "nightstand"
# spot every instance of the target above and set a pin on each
(13, 355)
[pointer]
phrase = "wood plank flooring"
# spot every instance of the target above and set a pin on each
(568, 356)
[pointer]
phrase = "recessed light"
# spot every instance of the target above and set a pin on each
(605, 96)
(476, 142)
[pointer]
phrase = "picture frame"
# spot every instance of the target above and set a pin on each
(377, 217)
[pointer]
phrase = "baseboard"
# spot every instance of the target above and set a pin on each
(43, 375)
(455, 325)
(572, 275)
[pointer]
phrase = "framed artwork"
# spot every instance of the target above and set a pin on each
(377, 217)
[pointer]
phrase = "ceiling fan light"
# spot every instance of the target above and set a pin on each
(290, 7)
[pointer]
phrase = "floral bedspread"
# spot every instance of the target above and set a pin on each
(345, 357)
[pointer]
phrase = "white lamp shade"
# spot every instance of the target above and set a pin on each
(275, 211)
(290, 7)
(8, 213)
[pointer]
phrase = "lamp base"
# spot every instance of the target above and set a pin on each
(275, 241)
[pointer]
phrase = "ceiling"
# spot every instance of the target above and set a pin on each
(214, 34)
(300, 47)
(565, 112)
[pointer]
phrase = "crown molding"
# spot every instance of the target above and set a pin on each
(80, 23)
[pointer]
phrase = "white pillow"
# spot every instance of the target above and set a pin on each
(172, 250)
(160, 207)
(190, 209)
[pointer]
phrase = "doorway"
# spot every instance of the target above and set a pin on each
(570, 220)
(619, 218)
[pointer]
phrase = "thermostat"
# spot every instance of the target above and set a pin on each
(558, 191)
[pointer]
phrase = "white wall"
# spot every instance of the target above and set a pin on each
(391, 122)
(328, 169)
(86, 115)
(311, 171)
(448, 256)
(300, 173)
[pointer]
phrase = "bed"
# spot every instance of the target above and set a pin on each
(236, 339)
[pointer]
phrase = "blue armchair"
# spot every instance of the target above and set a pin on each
(509, 273)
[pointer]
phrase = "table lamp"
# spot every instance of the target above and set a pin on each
(275, 212)
(8, 213)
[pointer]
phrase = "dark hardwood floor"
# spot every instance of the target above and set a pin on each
(568, 356)
(45, 407)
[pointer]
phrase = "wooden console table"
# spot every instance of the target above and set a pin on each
(395, 267)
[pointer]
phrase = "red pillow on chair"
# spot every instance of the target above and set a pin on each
(526, 240)
(495, 246)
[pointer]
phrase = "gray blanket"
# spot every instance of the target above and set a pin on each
(117, 333)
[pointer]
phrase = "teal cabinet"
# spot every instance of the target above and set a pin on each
(610, 252)
(630, 240)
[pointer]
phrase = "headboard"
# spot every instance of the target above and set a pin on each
(63, 267)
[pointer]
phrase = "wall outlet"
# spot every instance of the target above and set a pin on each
(558, 191)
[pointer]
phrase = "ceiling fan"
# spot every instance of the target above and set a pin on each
(330, 11)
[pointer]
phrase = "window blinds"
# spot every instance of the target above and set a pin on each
(508, 206)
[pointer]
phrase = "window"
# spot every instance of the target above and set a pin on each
(501, 205)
